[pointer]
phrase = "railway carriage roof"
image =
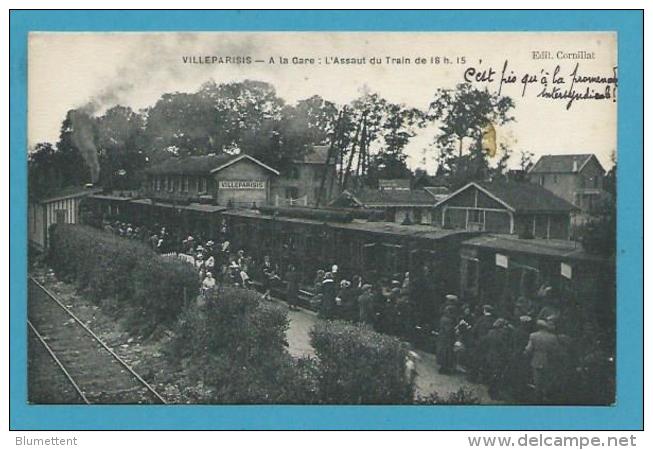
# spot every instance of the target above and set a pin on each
(550, 247)
(418, 231)
(190, 207)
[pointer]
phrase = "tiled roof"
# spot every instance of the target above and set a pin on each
(199, 165)
(190, 165)
(376, 198)
(526, 197)
(561, 163)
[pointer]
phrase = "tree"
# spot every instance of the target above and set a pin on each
(74, 161)
(375, 133)
(185, 122)
(120, 147)
(525, 160)
(316, 115)
(463, 114)
(44, 171)
(246, 115)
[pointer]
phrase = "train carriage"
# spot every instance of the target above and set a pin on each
(499, 270)
(374, 250)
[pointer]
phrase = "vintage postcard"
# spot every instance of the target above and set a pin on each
(323, 218)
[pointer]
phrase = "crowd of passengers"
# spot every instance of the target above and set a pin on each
(519, 352)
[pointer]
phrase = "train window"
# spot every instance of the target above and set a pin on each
(393, 257)
(369, 257)
(356, 252)
(529, 281)
(471, 274)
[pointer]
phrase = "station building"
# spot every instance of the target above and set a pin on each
(225, 180)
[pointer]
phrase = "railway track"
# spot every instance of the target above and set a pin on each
(95, 372)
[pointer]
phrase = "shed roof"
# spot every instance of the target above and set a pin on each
(520, 197)
(66, 192)
(563, 163)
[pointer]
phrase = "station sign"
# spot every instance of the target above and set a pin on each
(501, 260)
(242, 184)
(394, 185)
(565, 270)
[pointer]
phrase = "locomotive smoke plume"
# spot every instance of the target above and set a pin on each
(154, 57)
(82, 137)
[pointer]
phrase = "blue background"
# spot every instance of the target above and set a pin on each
(628, 412)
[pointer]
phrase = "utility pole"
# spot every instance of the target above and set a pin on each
(356, 142)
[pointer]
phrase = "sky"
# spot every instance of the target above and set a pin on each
(69, 70)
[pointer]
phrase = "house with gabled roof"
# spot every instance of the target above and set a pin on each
(576, 178)
(506, 207)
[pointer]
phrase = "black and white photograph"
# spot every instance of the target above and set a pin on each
(322, 218)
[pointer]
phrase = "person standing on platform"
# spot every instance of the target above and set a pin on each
(366, 305)
(446, 340)
(328, 304)
(292, 288)
(545, 349)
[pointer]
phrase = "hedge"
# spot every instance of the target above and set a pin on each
(359, 366)
(237, 346)
(163, 286)
(129, 271)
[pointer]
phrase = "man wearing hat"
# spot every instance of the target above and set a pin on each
(544, 348)
(480, 329)
(446, 340)
(451, 300)
(518, 376)
(496, 348)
